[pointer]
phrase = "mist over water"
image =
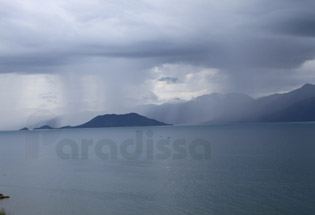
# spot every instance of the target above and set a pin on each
(224, 169)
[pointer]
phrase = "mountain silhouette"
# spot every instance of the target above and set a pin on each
(198, 110)
(45, 127)
(114, 120)
(296, 105)
(124, 120)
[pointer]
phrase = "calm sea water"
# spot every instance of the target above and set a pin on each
(220, 170)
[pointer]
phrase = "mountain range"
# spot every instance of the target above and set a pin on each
(294, 106)
(111, 120)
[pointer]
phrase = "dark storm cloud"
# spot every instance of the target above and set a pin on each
(303, 27)
(242, 37)
(295, 22)
(153, 49)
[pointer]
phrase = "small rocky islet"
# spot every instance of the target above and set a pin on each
(3, 196)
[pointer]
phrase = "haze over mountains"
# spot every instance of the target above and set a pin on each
(294, 106)
(198, 110)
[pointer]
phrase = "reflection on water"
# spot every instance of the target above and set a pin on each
(226, 169)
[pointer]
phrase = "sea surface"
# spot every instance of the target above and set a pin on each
(244, 169)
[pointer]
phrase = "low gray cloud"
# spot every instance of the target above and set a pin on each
(168, 79)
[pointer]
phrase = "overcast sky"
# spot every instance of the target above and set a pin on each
(68, 56)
